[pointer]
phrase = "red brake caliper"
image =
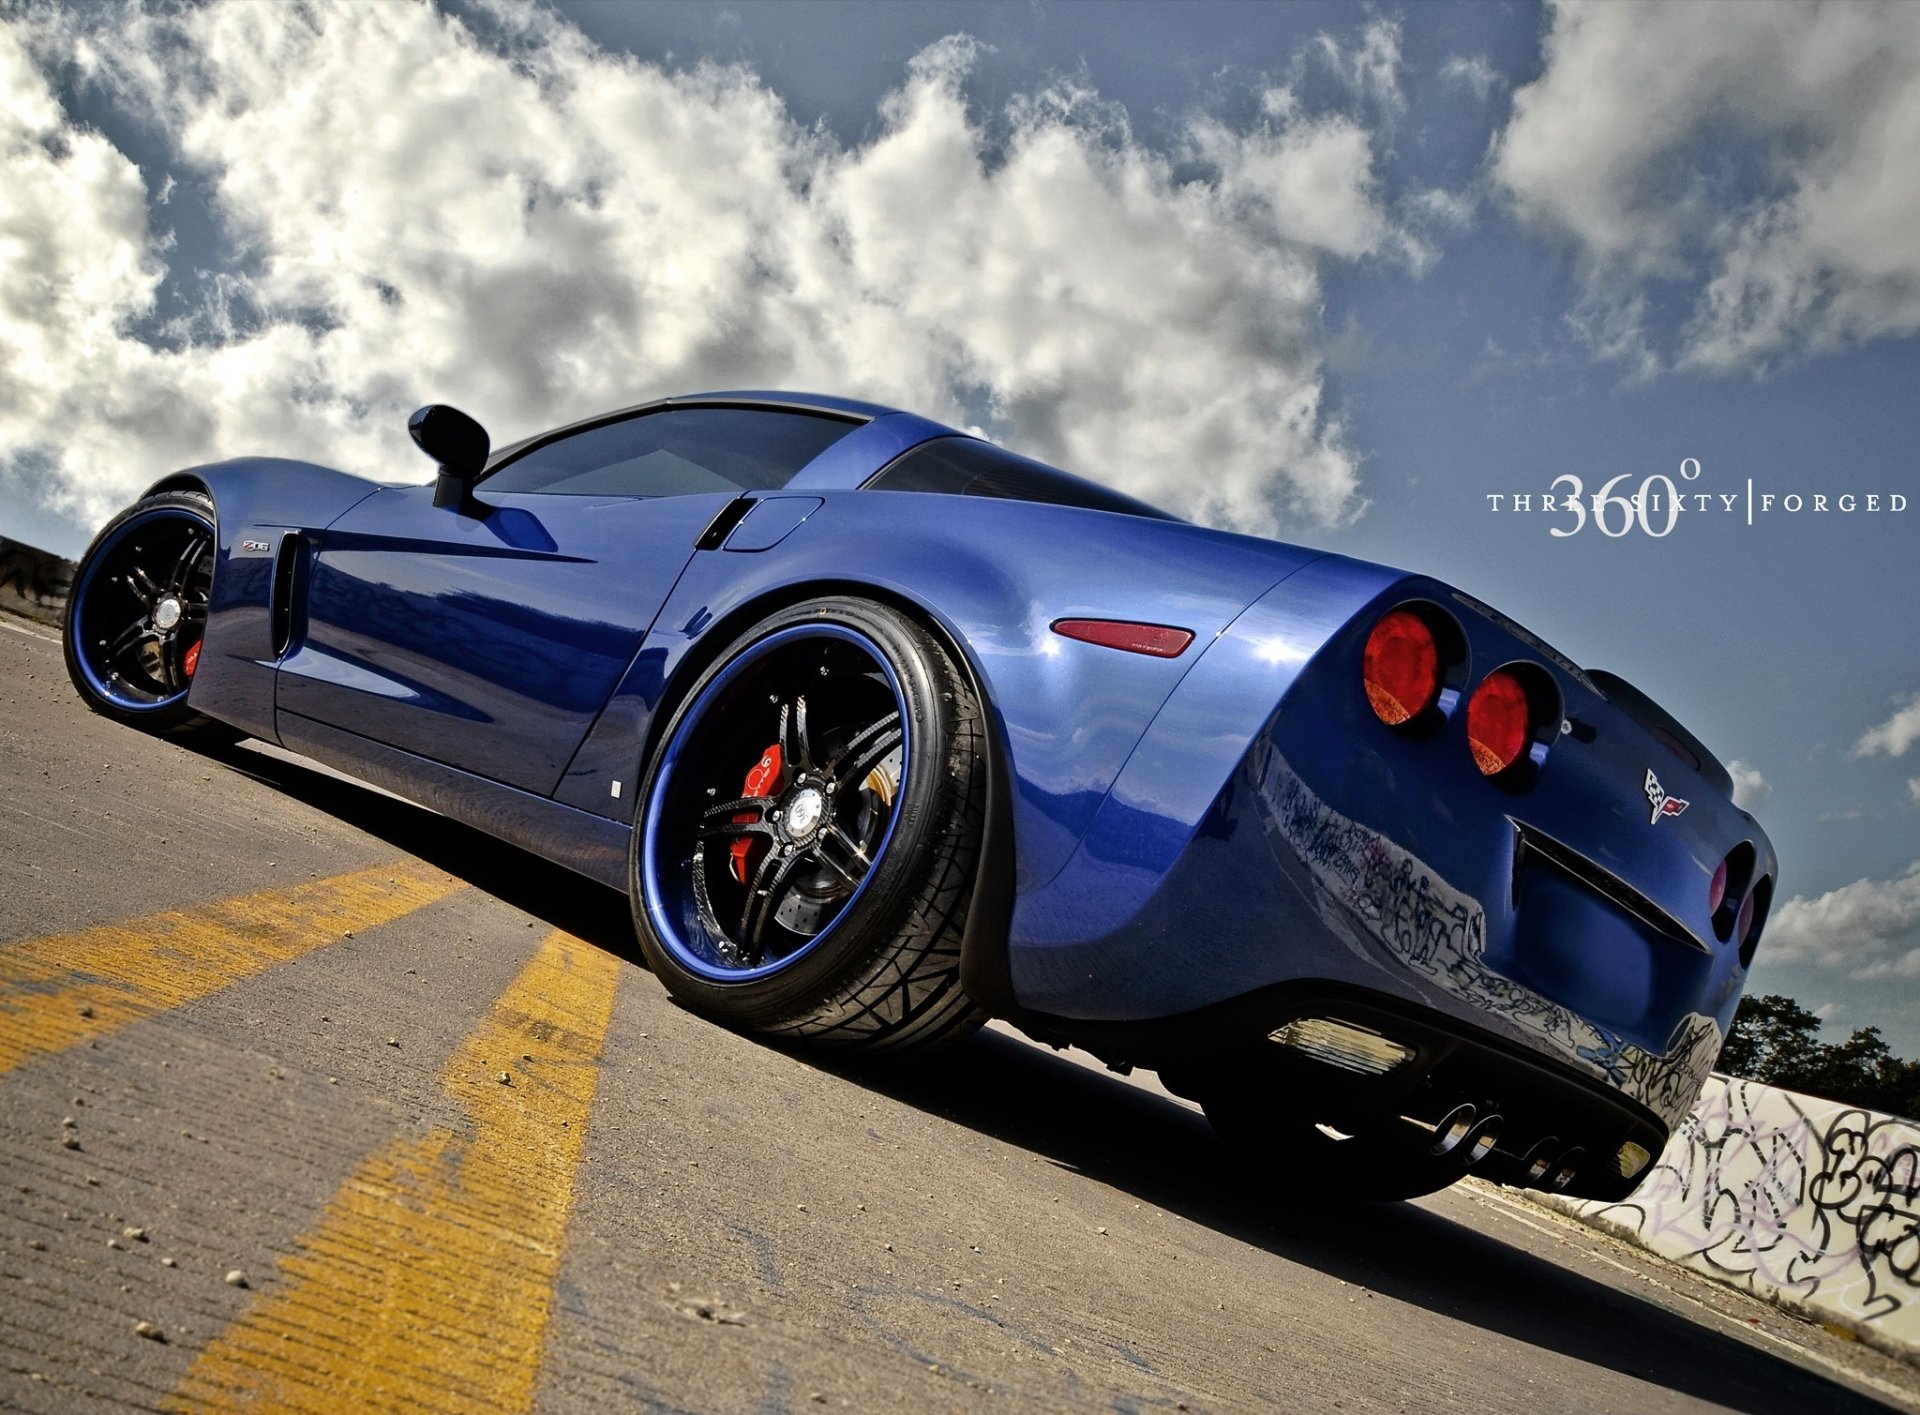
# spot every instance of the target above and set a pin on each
(763, 780)
(192, 660)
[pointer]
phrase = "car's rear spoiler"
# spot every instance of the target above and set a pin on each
(1662, 724)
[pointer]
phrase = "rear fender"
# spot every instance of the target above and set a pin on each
(1075, 947)
(993, 576)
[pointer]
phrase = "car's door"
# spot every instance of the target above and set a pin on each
(489, 638)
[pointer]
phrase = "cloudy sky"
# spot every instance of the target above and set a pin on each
(1356, 276)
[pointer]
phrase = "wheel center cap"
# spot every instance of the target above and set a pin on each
(167, 613)
(804, 812)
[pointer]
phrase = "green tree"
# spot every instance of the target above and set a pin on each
(1771, 1037)
(1776, 1041)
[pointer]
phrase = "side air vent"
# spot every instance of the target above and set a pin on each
(286, 576)
(721, 526)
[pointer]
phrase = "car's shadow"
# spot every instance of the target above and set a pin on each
(535, 886)
(1162, 1153)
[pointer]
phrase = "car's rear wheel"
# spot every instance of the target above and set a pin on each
(137, 615)
(806, 836)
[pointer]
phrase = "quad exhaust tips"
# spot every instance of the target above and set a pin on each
(1469, 1137)
(1548, 1166)
(1466, 1135)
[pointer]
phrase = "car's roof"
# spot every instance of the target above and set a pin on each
(818, 402)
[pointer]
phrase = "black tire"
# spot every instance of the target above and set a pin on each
(137, 613)
(1283, 1150)
(851, 949)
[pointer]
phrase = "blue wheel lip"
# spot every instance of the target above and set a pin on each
(653, 896)
(83, 589)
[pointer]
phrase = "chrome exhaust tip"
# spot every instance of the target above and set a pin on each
(1483, 1137)
(1454, 1127)
(1541, 1160)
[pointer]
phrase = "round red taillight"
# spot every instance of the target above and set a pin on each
(1499, 722)
(1717, 891)
(1402, 668)
(1744, 923)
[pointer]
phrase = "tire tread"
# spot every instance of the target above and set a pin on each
(909, 996)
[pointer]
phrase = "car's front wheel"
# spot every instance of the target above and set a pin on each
(806, 836)
(137, 615)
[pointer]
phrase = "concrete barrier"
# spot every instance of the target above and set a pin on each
(33, 583)
(1807, 1203)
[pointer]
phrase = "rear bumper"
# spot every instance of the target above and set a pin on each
(1553, 1116)
(1289, 896)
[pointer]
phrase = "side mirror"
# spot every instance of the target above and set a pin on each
(457, 443)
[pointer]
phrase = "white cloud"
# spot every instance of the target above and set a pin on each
(1435, 206)
(1850, 927)
(540, 230)
(1312, 182)
(1635, 140)
(1750, 788)
(1894, 736)
(1615, 331)
(1371, 68)
(1473, 71)
(1907, 965)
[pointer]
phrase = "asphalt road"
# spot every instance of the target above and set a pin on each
(313, 1099)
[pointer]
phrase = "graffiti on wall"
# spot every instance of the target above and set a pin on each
(1792, 1198)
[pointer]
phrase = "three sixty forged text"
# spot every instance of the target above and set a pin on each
(1656, 506)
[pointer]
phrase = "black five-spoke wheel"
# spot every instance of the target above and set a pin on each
(808, 848)
(807, 833)
(137, 615)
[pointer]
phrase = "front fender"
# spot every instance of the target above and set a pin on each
(257, 501)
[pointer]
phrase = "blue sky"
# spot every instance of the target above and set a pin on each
(1338, 273)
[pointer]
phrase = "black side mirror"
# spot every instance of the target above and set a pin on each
(457, 443)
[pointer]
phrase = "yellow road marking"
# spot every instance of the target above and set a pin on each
(428, 1280)
(59, 991)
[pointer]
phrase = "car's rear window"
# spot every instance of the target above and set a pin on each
(675, 452)
(966, 466)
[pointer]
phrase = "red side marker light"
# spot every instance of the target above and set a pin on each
(1401, 667)
(1154, 640)
(1499, 722)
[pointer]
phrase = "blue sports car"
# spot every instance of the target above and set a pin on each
(885, 730)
